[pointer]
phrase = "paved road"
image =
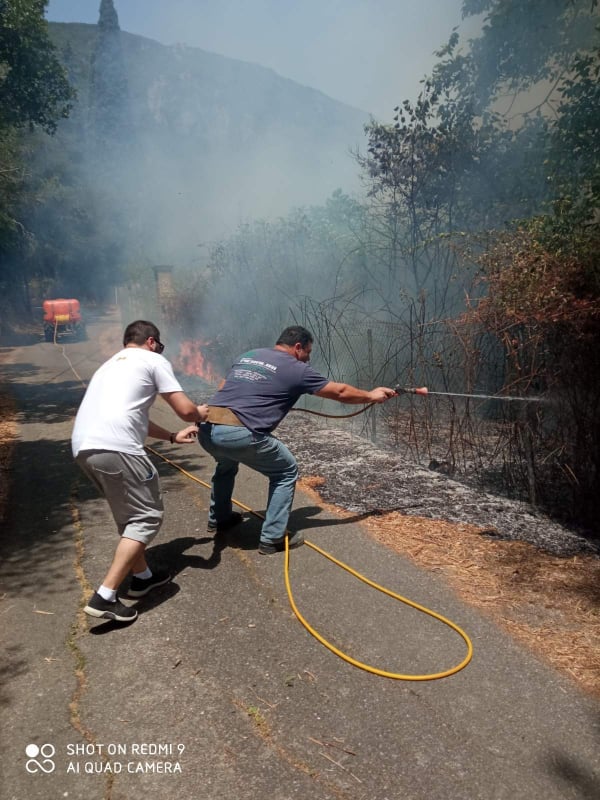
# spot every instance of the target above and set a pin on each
(217, 691)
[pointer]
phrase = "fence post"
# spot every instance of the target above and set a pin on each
(373, 412)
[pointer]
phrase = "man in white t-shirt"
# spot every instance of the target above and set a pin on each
(111, 426)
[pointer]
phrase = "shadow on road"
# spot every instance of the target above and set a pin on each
(38, 524)
(575, 773)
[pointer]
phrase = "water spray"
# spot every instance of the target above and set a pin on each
(423, 390)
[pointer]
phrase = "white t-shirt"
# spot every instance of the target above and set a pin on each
(113, 414)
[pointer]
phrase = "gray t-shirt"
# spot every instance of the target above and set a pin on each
(262, 386)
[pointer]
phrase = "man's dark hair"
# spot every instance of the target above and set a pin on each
(137, 332)
(295, 333)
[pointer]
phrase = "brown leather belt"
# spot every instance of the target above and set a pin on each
(222, 416)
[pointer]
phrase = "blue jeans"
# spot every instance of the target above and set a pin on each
(233, 445)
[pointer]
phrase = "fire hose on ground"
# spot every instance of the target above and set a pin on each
(400, 598)
(367, 667)
(423, 391)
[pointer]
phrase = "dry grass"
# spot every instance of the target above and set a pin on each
(549, 604)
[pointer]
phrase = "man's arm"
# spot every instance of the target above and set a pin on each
(188, 434)
(185, 408)
(344, 393)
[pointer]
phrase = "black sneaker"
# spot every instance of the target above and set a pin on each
(221, 527)
(141, 586)
(269, 548)
(104, 609)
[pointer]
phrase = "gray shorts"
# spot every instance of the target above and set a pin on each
(131, 486)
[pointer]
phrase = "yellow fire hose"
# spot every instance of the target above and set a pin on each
(321, 639)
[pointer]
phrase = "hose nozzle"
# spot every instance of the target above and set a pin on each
(411, 390)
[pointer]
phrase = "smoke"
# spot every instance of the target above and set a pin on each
(368, 54)
(174, 148)
(206, 144)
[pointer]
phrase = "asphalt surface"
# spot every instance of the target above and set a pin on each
(217, 691)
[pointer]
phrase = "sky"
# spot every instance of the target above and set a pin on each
(370, 54)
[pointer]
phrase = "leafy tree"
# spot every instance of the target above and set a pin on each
(542, 299)
(507, 129)
(34, 93)
(542, 308)
(33, 86)
(574, 155)
(10, 185)
(415, 169)
(458, 160)
(524, 44)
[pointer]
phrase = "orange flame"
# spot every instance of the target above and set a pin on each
(192, 361)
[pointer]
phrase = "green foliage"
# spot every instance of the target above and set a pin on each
(420, 161)
(508, 129)
(439, 170)
(452, 161)
(10, 187)
(522, 43)
(543, 305)
(34, 93)
(33, 86)
(574, 156)
(531, 284)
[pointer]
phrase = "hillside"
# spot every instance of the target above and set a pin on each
(224, 140)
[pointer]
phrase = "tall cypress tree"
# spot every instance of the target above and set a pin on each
(109, 120)
(106, 170)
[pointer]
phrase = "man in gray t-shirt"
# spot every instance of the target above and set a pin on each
(258, 391)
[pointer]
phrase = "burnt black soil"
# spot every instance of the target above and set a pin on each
(363, 478)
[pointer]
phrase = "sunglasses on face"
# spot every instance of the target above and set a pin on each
(159, 346)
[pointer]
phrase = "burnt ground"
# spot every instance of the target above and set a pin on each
(363, 478)
(373, 479)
